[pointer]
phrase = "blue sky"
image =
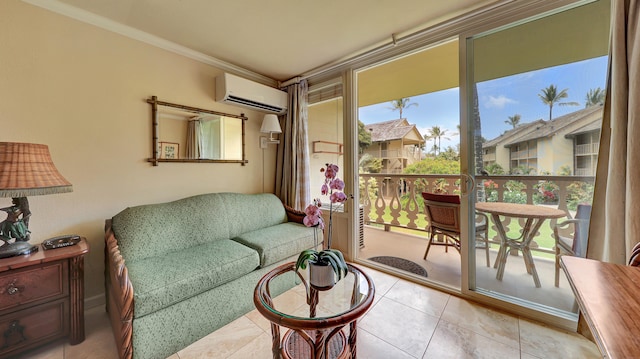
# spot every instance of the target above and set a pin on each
(499, 99)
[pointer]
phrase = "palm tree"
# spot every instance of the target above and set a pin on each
(364, 137)
(401, 104)
(550, 96)
(426, 139)
(595, 97)
(513, 120)
(437, 134)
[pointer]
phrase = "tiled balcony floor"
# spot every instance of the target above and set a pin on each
(444, 267)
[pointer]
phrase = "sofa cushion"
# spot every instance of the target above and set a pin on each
(162, 281)
(278, 242)
(193, 221)
(250, 212)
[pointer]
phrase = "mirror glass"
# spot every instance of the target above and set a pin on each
(198, 136)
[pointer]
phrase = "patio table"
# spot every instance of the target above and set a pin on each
(534, 217)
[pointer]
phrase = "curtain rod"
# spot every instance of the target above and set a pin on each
(291, 81)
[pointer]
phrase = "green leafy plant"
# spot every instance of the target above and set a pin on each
(331, 257)
(579, 192)
(494, 169)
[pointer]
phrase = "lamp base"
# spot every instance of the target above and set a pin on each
(17, 249)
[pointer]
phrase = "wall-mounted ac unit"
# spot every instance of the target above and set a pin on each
(237, 91)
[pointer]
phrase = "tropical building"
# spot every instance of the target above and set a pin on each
(569, 141)
(494, 152)
(397, 142)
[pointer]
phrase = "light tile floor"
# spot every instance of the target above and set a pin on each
(407, 320)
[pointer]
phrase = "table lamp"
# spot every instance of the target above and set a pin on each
(26, 169)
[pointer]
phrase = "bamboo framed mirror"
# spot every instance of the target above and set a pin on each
(195, 135)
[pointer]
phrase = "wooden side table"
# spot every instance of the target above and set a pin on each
(607, 294)
(42, 298)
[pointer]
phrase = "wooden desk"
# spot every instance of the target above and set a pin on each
(534, 215)
(608, 298)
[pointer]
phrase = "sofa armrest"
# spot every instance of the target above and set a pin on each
(119, 294)
(294, 215)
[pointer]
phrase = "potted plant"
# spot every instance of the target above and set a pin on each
(327, 266)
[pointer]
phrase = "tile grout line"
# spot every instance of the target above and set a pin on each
(436, 328)
(384, 341)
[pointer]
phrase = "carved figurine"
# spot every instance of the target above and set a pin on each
(15, 226)
(23, 204)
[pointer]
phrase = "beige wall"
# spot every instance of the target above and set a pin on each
(325, 124)
(502, 157)
(81, 90)
(555, 152)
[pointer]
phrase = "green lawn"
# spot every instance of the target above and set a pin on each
(544, 239)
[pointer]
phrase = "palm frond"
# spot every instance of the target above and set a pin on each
(573, 103)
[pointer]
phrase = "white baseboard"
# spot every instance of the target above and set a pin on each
(95, 301)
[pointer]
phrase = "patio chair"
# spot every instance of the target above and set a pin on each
(443, 213)
(574, 246)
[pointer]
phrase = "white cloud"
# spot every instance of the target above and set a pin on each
(498, 102)
(449, 132)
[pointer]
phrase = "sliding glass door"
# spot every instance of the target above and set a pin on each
(534, 91)
(408, 116)
(503, 109)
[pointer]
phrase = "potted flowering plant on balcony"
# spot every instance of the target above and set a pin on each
(326, 266)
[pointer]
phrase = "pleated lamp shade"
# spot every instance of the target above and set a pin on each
(270, 124)
(26, 169)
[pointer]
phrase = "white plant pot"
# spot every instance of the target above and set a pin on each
(321, 276)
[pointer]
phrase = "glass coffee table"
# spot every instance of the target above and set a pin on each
(315, 330)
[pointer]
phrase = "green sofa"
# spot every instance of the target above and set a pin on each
(178, 271)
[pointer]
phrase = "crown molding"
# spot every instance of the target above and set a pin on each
(132, 33)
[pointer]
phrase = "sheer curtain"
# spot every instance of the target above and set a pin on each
(193, 138)
(615, 221)
(292, 163)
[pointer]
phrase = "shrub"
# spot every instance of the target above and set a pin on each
(515, 197)
(579, 192)
(546, 192)
(494, 169)
(434, 166)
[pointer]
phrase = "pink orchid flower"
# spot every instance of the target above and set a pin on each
(338, 197)
(337, 184)
(333, 187)
(331, 171)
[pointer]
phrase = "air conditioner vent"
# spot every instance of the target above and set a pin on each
(253, 104)
(238, 91)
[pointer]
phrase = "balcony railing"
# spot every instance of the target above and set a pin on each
(396, 200)
(409, 154)
(524, 154)
(587, 149)
(585, 171)
(489, 157)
